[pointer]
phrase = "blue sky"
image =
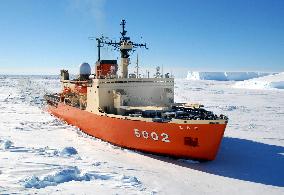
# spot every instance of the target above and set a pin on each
(40, 37)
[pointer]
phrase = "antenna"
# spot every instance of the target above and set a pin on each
(123, 33)
(99, 45)
(162, 71)
(137, 66)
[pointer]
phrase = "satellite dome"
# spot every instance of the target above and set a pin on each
(85, 69)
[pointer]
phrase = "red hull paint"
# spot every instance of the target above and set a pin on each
(196, 141)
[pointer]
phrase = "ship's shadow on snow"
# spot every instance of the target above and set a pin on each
(245, 160)
(248, 160)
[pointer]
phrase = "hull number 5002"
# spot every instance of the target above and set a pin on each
(152, 135)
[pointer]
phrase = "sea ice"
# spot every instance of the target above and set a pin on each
(68, 151)
(5, 144)
(65, 175)
(250, 159)
(130, 180)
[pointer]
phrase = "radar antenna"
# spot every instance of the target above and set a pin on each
(125, 46)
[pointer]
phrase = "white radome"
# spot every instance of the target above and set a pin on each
(85, 69)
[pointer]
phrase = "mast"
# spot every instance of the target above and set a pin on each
(125, 45)
(99, 48)
(162, 71)
(99, 45)
(137, 66)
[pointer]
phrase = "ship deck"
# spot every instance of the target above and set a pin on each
(177, 113)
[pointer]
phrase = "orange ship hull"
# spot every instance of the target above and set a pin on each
(195, 141)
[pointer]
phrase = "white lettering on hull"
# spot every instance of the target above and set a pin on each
(153, 135)
(188, 128)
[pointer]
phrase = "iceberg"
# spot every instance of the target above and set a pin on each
(267, 82)
(225, 76)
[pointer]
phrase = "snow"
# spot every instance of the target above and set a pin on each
(267, 82)
(39, 154)
(224, 76)
(65, 175)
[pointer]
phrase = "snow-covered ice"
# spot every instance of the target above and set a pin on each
(5, 144)
(68, 151)
(224, 76)
(39, 154)
(267, 82)
(64, 175)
